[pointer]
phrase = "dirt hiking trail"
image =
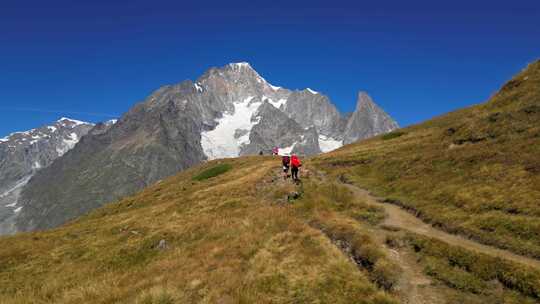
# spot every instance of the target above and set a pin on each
(400, 218)
(413, 286)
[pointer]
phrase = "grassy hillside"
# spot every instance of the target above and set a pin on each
(231, 235)
(474, 172)
(233, 231)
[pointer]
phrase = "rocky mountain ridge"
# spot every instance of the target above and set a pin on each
(246, 91)
(227, 112)
(22, 154)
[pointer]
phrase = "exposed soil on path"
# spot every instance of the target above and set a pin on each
(400, 218)
(413, 287)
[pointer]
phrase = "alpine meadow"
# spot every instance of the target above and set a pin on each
(234, 231)
(270, 152)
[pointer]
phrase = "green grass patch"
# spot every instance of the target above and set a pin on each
(212, 172)
(392, 135)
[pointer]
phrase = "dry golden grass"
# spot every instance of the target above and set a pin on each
(240, 237)
(228, 241)
(475, 171)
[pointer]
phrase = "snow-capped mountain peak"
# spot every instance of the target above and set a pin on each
(312, 91)
(240, 65)
(72, 123)
(233, 84)
(227, 112)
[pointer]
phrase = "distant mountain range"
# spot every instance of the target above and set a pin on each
(227, 112)
(22, 154)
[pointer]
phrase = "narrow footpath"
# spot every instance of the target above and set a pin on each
(400, 218)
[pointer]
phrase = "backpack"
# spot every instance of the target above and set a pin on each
(285, 160)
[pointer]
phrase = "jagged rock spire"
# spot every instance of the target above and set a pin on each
(368, 120)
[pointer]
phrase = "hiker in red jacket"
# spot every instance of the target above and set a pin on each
(295, 167)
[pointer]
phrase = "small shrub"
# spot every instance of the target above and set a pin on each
(385, 274)
(392, 135)
(212, 172)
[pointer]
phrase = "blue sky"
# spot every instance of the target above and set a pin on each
(417, 59)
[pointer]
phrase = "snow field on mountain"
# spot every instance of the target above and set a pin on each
(222, 142)
(67, 144)
(328, 144)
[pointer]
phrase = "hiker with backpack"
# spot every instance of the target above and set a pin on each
(285, 161)
(295, 167)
